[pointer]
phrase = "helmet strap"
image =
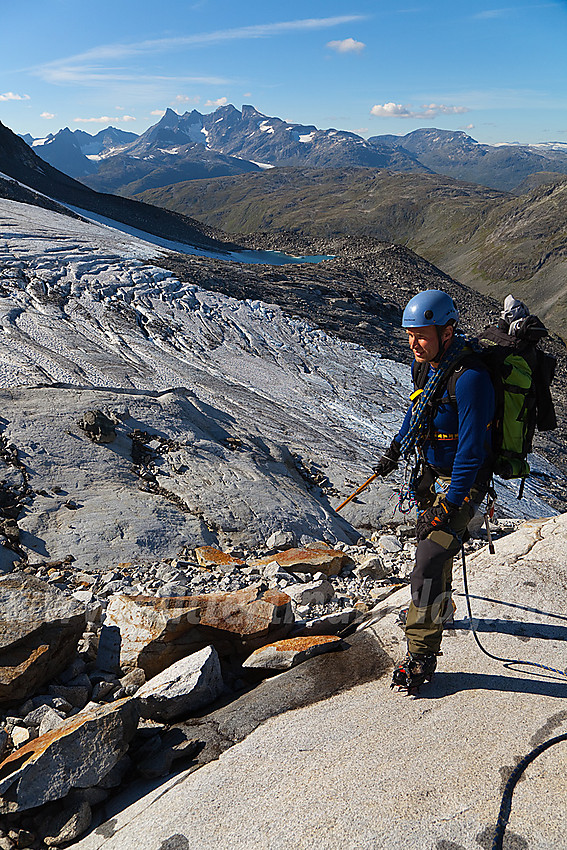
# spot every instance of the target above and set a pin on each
(442, 346)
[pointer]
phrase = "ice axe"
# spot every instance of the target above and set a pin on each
(356, 492)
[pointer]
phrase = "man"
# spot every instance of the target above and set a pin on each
(448, 426)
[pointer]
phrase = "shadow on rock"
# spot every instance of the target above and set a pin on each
(446, 684)
(518, 628)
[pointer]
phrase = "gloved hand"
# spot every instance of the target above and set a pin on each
(389, 460)
(437, 518)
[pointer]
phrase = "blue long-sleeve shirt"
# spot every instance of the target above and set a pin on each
(465, 442)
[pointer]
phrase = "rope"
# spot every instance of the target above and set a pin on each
(506, 804)
(419, 422)
(418, 426)
(481, 647)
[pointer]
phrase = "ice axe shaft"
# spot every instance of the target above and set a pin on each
(356, 492)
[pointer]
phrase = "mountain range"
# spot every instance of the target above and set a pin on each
(77, 153)
(46, 185)
(229, 141)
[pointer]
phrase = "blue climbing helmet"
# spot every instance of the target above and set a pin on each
(431, 307)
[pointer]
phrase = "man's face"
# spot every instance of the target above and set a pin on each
(424, 342)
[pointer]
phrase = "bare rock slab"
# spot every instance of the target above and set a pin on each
(78, 754)
(312, 560)
(39, 630)
(185, 686)
(285, 654)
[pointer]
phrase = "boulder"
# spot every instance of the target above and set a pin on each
(51, 720)
(288, 653)
(39, 630)
(389, 543)
(66, 825)
(152, 633)
(157, 757)
(372, 566)
(78, 754)
(147, 632)
(98, 427)
(311, 593)
(187, 685)
(307, 560)
(280, 539)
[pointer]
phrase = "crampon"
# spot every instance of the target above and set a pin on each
(413, 671)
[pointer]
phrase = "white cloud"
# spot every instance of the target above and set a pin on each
(160, 112)
(10, 95)
(247, 94)
(221, 101)
(47, 115)
(388, 110)
(427, 110)
(488, 14)
(104, 119)
(347, 45)
(491, 14)
(184, 98)
(467, 127)
(90, 66)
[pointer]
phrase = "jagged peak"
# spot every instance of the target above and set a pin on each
(249, 111)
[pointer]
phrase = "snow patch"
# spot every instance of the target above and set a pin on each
(307, 138)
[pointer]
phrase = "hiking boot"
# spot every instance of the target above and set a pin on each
(413, 671)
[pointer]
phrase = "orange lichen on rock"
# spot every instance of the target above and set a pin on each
(313, 560)
(208, 556)
(37, 746)
(300, 644)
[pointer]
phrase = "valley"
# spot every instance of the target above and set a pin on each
(492, 241)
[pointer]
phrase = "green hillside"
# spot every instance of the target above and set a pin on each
(491, 240)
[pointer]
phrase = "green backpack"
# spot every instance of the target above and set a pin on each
(521, 374)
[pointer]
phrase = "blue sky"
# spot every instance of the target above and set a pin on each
(499, 72)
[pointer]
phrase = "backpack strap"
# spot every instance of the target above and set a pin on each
(447, 391)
